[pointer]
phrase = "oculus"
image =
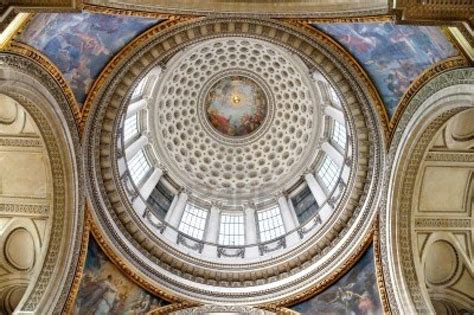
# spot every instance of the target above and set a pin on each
(235, 106)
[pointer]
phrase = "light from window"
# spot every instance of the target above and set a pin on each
(270, 224)
(139, 89)
(138, 167)
(339, 134)
(193, 221)
(328, 173)
(231, 230)
(334, 98)
(130, 128)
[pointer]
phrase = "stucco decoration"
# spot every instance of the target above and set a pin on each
(284, 277)
(37, 92)
(393, 55)
(440, 99)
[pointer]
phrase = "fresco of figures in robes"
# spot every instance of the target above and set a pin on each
(105, 290)
(356, 293)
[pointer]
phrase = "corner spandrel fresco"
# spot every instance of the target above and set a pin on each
(356, 293)
(105, 290)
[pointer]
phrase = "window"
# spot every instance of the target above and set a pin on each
(138, 167)
(130, 128)
(270, 224)
(160, 200)
(339, 134)
(193, 221)
(139, 89)
(334, 98)
(328, 173)
(231, 230)
(305, 205)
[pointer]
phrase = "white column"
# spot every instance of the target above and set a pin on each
(174, 217)
(289, 218)
(335, 113)
(170, 209)
(150, 183)
(136, 106)
(250, 226)
(135, 146)
(316, 189)
(212, 230)
(335, 155)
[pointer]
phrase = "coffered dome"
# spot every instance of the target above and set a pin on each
(234, 160)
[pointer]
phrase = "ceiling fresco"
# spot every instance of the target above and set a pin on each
(355, 293)
(393, 55)
(105, 290)
(80, 45)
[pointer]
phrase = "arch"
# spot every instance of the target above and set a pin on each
(440, 99)
(38, 93)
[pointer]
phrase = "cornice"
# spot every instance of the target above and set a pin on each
(419, 82)
(43, 61)
(76, 283)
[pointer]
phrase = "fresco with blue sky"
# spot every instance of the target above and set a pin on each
(393, 55)
(80, 45)
(356, 293)
(105, 290)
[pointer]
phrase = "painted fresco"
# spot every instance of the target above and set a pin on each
(236, 106)
(105, 290)
(355, 293)
(80, 45)
(393, 55)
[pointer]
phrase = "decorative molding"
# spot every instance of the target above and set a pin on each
(76, 284)
(440, 156)
(272, 246)
(440, 223)
(21, 209)
(224, 251)
(28, 142)
(184, 240)
(379, 270)
(419, 82)
(40, 59)
(125, 12)
(290, 9)
(168, 309)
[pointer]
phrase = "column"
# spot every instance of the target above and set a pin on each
(174, 215)
(150, 183)
(335, 113)
(316, 189)
(333, 153)
(288, 217)
(170, 209)
(212, 230)
(136, 106)
(250, 226)
(135, 146)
